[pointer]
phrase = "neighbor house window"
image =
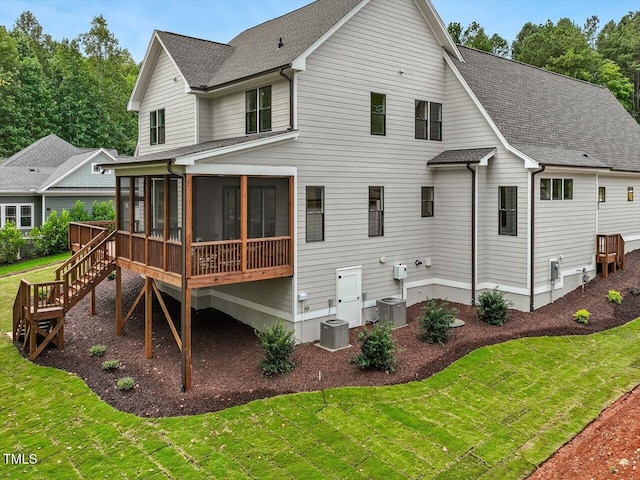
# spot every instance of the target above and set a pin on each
(556, 189)
(21, 215)
(376, 211)
(258, 110)
(156, 127)
(602, 194)
(315, 214)
(629, 194)
(428, 120)
(427, 201)
(508, 211)
(378, 113)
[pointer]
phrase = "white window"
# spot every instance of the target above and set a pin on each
(20, 214)
(96, 169)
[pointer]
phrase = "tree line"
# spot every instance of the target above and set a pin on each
(77, 89)
(609, 56)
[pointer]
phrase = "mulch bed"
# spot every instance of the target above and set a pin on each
(226, 353)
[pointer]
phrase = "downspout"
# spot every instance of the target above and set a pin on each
(290, 79)
(532, 194)
(473, 233)
(183, 302)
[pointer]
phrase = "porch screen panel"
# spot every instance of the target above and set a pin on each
(231, 212)
(262, 212)
(138, 204)
(175, 208)
(125, 202)
(157, 207)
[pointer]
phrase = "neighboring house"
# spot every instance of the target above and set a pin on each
(51, 174)
(305, 158)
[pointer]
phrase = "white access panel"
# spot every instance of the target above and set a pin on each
(349, 295)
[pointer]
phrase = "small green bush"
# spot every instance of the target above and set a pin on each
(11, 241)
(582, 316)
(126, 383)
(492, 307)
(377, 350)
(78, 213)
(278, 344)
(52, 237)
(435, 323)
(614, 297)
(111, 365)
(97, 350)
(103, 211)
(111, 276)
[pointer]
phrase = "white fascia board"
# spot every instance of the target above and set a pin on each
(438, 28)
(484, 161)
(574, 170)
(84, 162)
(239, 169)
(528, 161)
(84, 193)
(233, 149)
(300, 63)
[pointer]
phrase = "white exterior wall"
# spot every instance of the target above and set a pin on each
(228, 112)
(180, 112)
(84, 176)
(205, 119)
(617, 214)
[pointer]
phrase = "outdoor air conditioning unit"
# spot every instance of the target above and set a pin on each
(392, 311)
(334, 334)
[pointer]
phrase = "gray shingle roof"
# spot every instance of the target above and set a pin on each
(197, 148)
(255, 50)
(470, 155)
(49, 151)
(534, 108)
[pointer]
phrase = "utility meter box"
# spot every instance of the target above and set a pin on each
(399, 271)
(555, 270)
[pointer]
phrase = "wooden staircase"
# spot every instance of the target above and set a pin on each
(39, 308)
(610, 251)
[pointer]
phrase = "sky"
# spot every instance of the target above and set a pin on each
(133, 21)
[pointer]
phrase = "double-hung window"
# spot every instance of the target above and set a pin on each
(378, 114)
(428, 124)
(315, 214)
(156, 127)
(602, 194)
(508, 211)
(21, 215)
(258, 110)
(427, 202)
(376, 211)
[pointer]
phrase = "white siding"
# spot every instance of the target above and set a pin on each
(83, 177)
(205, 119)
(617, 214)
(229, 111)
(166, 89)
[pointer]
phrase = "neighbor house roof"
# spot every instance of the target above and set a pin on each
(42, 163)
(552, 118)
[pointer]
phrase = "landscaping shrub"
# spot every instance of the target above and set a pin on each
(126, 383)
(97, 350)
(278, 344)
(111, 365)
(103, 211)
(582, 316)
(377, 349)
(52, 236)
(78, 212)
(614, 297)
(111, 276)
(435, 323)
(11, 241)
(492, 307)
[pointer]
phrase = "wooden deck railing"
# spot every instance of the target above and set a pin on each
(610, 250)
(81, 233)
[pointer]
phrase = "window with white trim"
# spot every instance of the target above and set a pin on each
(508, 211)
(96, 169)
(556, 189)
(20, 214)
(156, 127)
(258, 110)
(315, 214)
(428, 120)
(427, 202)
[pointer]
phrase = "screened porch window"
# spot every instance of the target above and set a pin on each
(262, 212)
(231, 212)
(125, 202)
(175, 208)
(157, 207)
(138, 205)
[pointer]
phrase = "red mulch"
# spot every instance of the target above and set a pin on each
(226, 356)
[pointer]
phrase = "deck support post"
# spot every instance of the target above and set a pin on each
(92, 303)
(186, 339)
(118, 300)
(148, 311)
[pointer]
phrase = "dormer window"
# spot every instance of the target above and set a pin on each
(258, 110)
(156, 127)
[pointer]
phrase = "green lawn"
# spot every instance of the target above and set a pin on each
(494, 414)
(32, 263)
